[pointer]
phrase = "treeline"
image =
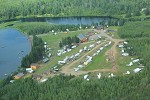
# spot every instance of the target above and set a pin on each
(134, 87)
(43, 27)
(135, 29)
(68, 41)
(138, 36)
(31, 28)
(36, 53)
(54, 8)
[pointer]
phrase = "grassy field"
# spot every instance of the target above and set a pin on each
(99, 61)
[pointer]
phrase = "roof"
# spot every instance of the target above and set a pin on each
(20, 75)
(33, 64)
(45, 60)
(82, 36)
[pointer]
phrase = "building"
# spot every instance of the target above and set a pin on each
(18, 76)
(34, 66)
(82, 37)
(45, 60)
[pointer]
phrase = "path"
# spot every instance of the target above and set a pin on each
(112, 52)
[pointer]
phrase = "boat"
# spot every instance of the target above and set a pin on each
(5, 74)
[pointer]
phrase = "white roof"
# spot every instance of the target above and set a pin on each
(87, 79)
(125, 54)
(44, 80)
(28, 69)
(137, 70)
(85, 76)
(99, 75)
(128, 72)
(136, 60)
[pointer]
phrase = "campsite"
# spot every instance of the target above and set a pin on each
(74, 49)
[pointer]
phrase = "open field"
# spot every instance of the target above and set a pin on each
(99, 61)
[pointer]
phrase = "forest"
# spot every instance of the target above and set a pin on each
(10, 9)
(132, 87)
(68, 41)
(36, 53)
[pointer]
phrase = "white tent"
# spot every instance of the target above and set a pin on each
(99, 75)
(137, 70)
(130, 64)
(136, 60)
(125, 54)
(85, 76)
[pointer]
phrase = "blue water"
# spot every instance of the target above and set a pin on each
(77, 20)
(13, 47)
(68, 20)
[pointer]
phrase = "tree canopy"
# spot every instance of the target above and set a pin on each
(10, 9)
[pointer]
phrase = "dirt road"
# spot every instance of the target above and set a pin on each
(112, 52)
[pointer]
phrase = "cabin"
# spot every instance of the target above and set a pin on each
(34, 66)
(82, 37)
(18, 76)
(45, 60)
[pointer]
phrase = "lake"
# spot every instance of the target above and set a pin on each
(13, 47)
(63, 20)
(67, 20)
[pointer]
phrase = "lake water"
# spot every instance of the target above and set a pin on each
(13, 47)
(67, 20)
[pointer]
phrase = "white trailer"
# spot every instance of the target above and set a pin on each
(61, 62)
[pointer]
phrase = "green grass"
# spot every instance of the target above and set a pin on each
(53, 42)
(123, 61)
(99, 61)
(8, 24)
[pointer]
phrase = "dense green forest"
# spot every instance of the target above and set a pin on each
(36, 53)
(10, 9)
(133, 87)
